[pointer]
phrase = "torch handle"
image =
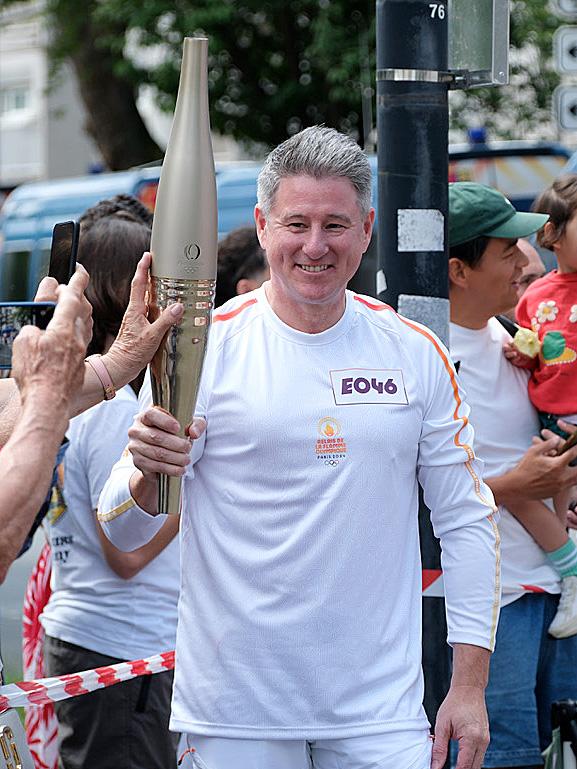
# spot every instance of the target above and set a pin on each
(177, 365)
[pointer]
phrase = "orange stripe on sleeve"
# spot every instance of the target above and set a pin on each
(116, 511)
(458, 403)
(450, 371)
(469, 451)
(233, 313)
(372, 306)
(473, 474)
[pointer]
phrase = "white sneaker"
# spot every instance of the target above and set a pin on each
(565, 621)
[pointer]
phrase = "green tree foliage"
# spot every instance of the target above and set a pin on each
(279, 65)
(275, 66)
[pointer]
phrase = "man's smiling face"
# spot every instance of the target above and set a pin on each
(314, 237)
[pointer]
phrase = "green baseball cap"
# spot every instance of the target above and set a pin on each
(476, 210)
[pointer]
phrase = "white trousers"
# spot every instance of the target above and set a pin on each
(398, 750)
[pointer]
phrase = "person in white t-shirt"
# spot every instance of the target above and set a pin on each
(529, 669)
(108, 606)
(299, 635)
(51, 382)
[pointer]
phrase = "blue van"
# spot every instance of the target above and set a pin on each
(31, 211)
(519, 169)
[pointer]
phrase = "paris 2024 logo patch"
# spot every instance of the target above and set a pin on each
(331, 448)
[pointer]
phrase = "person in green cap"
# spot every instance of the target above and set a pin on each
(529, 669)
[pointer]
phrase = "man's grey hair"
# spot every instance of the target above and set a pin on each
(319, 152)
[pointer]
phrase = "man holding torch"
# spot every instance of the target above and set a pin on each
(319, 413)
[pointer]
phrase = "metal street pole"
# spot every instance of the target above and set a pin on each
(412, 129)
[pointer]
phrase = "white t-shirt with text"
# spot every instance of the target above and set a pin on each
(91, 606)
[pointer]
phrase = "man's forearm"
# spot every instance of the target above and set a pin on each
(470, 666)
(10, 408)
(27, 464)
(504, 488)
(127, 564)
(122, 508)
(512, 488)
(144, 491)
(540, 473)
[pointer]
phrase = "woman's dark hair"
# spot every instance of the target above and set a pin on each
(113, 236)
(560, 202)
(470, 252)
(239, 256)
(120, 206)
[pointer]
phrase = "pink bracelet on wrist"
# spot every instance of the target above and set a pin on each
(101, 372)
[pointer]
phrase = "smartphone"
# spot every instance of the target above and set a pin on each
(14, 315)
(63, 251)
(569, 443)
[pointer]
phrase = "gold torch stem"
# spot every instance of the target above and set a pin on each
(177, 366)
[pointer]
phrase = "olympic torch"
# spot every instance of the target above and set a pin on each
(184, 248)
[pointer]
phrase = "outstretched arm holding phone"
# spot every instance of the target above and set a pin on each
(48, 366)
(52, 382)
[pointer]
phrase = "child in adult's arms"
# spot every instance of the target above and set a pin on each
(547, 346)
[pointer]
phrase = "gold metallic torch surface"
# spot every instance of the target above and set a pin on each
(184, 248)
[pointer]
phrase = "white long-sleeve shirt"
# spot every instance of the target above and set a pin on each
(300, 609)
(505, 422)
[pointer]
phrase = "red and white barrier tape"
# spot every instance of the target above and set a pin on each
(432, 585)
(46, 690)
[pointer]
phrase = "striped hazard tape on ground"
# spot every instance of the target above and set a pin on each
(46, 690)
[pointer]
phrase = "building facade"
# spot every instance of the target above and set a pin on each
(41, 125)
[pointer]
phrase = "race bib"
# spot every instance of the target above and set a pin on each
(360, 385)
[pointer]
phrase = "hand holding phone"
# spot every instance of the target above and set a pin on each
(569, 443)
(14, 315)
(64, 251)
